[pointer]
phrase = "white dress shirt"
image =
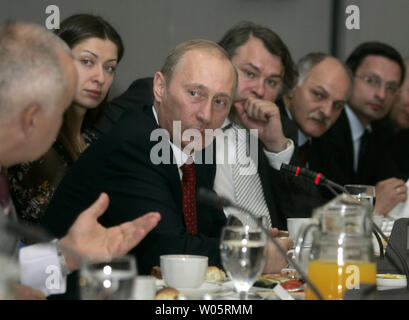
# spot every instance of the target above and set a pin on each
(225, 157)
(357, 130)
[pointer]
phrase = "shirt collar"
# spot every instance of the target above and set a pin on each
(180, 157)
(357, 129)
(227, 122)
(302, 138)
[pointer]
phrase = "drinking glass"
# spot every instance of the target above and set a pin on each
(112, 280)
(243, 254)
(9, 276)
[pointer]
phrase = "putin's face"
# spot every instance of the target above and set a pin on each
(199, 94)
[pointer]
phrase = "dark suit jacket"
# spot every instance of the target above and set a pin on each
(298, 197)
(272, 189)
(336, 158)
(119, 164)
(394, 144)
(140, 92)
(279, 205)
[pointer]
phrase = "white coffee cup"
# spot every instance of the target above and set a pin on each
(144, 288)
(294, 226)
(183, 271)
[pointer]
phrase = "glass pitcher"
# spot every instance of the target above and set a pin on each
(341, 255)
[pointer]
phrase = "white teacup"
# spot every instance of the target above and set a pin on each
(294, 226)
(183, 271)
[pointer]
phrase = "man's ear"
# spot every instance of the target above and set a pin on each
(159, 86)
(29, 119)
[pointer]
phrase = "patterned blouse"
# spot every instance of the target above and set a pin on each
(32, 184)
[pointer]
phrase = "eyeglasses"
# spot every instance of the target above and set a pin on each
(376, 83)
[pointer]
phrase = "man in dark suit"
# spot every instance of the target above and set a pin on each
(316, 102)
(395, 129)
(265, 69)
(194, 90)
(351, 151)
(313, 105)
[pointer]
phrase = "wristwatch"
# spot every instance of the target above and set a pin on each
(63, 264)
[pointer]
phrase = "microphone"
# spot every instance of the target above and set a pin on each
(319, 179)
(211, 198)
(316, 177)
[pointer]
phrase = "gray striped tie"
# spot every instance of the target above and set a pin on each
(247, 183)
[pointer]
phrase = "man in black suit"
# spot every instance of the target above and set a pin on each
(313, 105)
(265, 69)
(316, 102)
(395, 129)
(351, 149)
(194, 90)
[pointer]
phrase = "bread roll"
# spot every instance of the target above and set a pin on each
(167, 294)
(214, 274)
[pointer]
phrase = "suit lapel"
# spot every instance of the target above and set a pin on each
(266, 178)
(170, 170)
(335, 159)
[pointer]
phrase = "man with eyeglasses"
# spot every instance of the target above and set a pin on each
(395, 129)
(351, 148)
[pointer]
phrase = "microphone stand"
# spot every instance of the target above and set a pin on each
(207, 197)
(401, 259)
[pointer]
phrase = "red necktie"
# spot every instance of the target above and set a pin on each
(189, 197)
(4, 192)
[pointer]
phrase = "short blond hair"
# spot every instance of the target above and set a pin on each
(178, 52)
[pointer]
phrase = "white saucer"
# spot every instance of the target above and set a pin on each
(389, 282)
(205, 288)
